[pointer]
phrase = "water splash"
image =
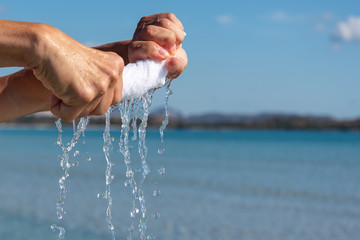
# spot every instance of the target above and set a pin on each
(66, 165)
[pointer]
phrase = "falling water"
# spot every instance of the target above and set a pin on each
(165, 122)
(107, 148)
(66, 165)
(131, 111)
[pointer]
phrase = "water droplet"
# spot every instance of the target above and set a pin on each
(61, 180)
(88, 159)
(161, 151)
(129, 173)
(112, 139)
(75, 164)
(100, 196)
(156, 193)
(132, 214)
(156, 215)
(161, 170)
(111, 227)
(131, 228)
(127, 183)
(151, 237)
(68, 165)
(76, 153)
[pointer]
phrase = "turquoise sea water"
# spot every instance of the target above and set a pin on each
(219, 185)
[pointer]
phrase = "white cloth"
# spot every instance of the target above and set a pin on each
(142, 76)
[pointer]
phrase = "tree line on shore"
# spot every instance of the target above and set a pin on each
(219, 121)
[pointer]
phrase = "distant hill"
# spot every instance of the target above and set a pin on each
(219, 121)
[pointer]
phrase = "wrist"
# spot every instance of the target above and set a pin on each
(41, 35)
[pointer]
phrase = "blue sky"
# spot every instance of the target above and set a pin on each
(244, 56)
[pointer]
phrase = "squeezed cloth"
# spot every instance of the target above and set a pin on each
(141, 77)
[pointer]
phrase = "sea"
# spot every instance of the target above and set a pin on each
(214, 185)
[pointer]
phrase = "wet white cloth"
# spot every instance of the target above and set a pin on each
(142, 76)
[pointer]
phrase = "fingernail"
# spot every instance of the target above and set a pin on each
(163, 52)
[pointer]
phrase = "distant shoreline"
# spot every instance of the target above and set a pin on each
(214, 121)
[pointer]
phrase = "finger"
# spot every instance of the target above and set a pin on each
(139, 50)
(117, 92)
(169, 16)
(176, 65)
(169, 25)
(101, 106)
(161, 36)
(65, 112)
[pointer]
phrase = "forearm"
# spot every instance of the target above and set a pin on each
(20, 43)
(22, 94)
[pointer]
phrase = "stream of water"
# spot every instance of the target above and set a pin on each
(132, 111)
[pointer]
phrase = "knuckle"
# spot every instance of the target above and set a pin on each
(170, 39)
(134, 50)
(117, 69)
(149, 30)
(134, 46)
(170, 15)
(164, 22)
(86, 96)
(119, 62)
(142, 23)
(143, 19)
(101, 87)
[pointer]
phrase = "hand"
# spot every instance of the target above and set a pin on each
(83, 81)
(160, 37)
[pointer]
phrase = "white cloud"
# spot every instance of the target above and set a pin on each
(225, 19)
(348, 31)
(281, 16)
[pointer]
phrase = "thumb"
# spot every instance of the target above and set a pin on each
(62, 110)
